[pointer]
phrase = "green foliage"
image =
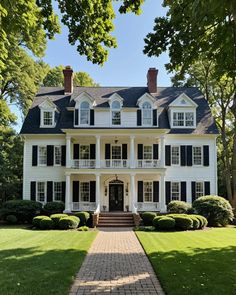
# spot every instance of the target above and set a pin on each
(37, 219)
(46, 223)
(11, 219)
(164, 223)
(202, 220)
(54, 207)
(83, 228)
(68, 223)
(195, 220)
(75, 218)
(178, 207)
(216, 209)
(56, 218)
(83, 216)
(148, 217)
(182, 221)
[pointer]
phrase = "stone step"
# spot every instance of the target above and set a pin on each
(115, 225)
(115, 215)
(116, 218)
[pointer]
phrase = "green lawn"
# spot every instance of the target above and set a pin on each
(193, 262)
(40, 262)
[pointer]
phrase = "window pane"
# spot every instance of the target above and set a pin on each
(84, 116)
(84, 152)
(199, 189)
(42, 155)
(41, 191)
(147, 152)
(116, 152)
(57, 191)
(47, 118)
(116, 118)
(175, 191)
(197, 155)
(147, 114)
(84, 105)
(147, 190)
(175, 155)
(84, 191)
(178, 119)
(115, 105)
(57, 155)
(189, 119)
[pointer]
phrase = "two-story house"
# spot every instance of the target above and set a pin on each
(119, 148)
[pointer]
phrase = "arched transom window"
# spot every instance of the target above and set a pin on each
(116, 113)
(84, 113)
(147, 113)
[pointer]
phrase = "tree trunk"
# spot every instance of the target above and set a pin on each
(233, 109)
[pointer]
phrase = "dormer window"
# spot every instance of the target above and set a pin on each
(183, 119)
(48, 112)
(116, 113)
(48, 118)
(84, 113)
(147, 114)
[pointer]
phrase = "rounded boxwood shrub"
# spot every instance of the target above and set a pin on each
(164, 223)
(54, 207)
(155, 219)
(195, 220)
(178, 207)
(182, 221)
(11, 219)
(148, 217)
(46, 223)
(56, 218)
(202, 220)
(76, 218)
(217, 210)
(68, 222)
(36, 220)
(83, 216)
(83, 228)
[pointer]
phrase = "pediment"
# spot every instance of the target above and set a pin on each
(146, 97)
(47, 104)
(84, 96)
(183, 100)
(115, 96)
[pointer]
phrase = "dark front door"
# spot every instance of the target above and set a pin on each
(116, 197)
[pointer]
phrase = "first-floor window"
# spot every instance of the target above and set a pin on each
(84, 191)
(57, 191)
(57, 155)
(175, 191)
(147, 191)
(199, 189)
(41, 191)
(42, 155)
(175, 155)
(197, 155)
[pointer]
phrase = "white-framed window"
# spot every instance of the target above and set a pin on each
(84, 113)
(116, 152)
(41, 191)
(84, 191)
(57, 191)
(84, 152)
(178, 119)
(175, 155)
(147, 191)
(147, 152)
(189, 119)
(57, 155)
(42, 155)
(175, 191)
(199, 189)
(48, 118)
(197, 155)
(146, 114)
(183, 119)
(115, 113)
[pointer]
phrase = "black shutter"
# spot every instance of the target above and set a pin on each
(139, 118)
(140, 151)
(124, 151)
(206, 155)
(92, 191)
(183, 191)
(167, 155)
(189, 155)
(154, 117)
(33, 190)
(155, 152)
(183, 155)
(34, 155)
(75, 191)
(168, 192)
(50, 155)
(76, 151)
(92, 117)
(49, 191)
(63, 187)
(207, 189)
(76, 119)
(63, 155)
(140, 191)
(155, 191)
(107, 151)
(193, 184)
(92, 151)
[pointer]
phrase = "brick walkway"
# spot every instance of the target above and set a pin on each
(116, 264)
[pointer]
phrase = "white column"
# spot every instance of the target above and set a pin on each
(98, 159)
(162, 194)
(133, 193)
(162, 153)
(68, 151)
(132, 155)
(68, 203)
(98, 193)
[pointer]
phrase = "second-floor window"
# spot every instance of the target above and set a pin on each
(57, 155)
(197, 155)
(47, 118)
(175, 155)
(115, 113)
(147, 114)
(42, 157)
(116, 152)
(183, 119)
(84, 152)
(147, 152)
(84, 113)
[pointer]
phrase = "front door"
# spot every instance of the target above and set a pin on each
(116, 197)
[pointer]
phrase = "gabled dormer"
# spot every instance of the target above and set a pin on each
(116, 102)
(147, 112)
(48, 111)
(182, 112)
(84, 110)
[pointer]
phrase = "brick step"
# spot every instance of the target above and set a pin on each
(116, 218)
(115, 222)
(114, 225)
(115, 215)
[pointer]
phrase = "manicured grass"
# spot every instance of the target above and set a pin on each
(40, 262)
(193, 262)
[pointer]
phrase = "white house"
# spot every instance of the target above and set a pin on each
(119, 148)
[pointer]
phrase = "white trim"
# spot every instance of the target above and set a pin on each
(42, 112)
(181, 97)
(178, 146)
(45, 191)
(84, 96)
(84, 181)
(179, 182)
(53, 191)
(54, 155)
(146, 97)
(184, 120)
(197, 165)
(147, 180)
(42, 165)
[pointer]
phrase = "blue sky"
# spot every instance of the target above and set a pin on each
(126, 65)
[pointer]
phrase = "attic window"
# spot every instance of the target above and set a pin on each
(183, 119)
(48, 118)
(115, 113)
(84, 113)
(147, 114)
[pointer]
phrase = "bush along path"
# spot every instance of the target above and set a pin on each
(116, 263)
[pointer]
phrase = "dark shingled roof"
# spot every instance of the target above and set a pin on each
(164, 96)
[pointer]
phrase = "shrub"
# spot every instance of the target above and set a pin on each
(164, 223)
(83, 216)
(155, 219)
(46, 223)
(195, 220)
(54, 207)
(202, 220)
(178, 207)
(76, 218)
(68, 223)
(83, 228)
(36, 220)
(217, 210)
(24, 210)
(56, 218)
(148, 217)
(11, 219)
(182, 222)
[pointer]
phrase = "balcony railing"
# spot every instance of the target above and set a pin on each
(83, 206)
(115, 163)
(148, 163)
(84, 163)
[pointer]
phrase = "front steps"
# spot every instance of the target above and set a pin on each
(110, 219)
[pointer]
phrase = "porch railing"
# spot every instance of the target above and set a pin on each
(148, 163)
(83, 206)
(85, 163)
(115, 163)
(151, 206)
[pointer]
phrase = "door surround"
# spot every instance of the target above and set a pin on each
(117, 183)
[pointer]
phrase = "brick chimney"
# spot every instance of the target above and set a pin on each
(152, 80)
(68, 80)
